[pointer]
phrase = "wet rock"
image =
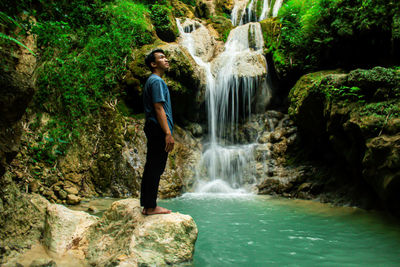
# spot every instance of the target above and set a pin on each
(204, 41)
(92, 209)
(305, 187)
(273, 185)
(195, 129)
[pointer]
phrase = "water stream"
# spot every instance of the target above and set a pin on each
(232, 80)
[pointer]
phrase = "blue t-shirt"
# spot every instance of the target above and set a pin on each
(156, 91)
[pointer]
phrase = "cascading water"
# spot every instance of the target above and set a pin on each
(232, 79)
(248, 10)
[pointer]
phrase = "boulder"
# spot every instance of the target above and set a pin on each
(64, 228)
(73, 199)
(126, 237)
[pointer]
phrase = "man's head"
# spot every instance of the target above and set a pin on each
(156, 59)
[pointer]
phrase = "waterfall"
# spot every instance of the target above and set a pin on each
(246, 10)
(232, 80)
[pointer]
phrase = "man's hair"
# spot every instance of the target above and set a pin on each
(151, 57)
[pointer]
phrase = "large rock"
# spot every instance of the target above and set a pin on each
(352, 120)
(64, 228)
(203, 40)
(382, 157)
(124, 236)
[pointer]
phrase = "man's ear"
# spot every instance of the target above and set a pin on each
(153, 64)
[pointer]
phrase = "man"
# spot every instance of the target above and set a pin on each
(158, 129)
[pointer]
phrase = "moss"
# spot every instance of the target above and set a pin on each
(223, 7)
(304, 86)
(164, 22)
(222, 25)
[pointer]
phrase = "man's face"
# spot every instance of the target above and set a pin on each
(161, 61)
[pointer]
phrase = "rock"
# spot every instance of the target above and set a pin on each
(204, 41)
(62, 194)
(195, 129)
(383, 156)
(34, 186)
(64, 228)
(164, 23)
(354, 119)
(92, 209)
(71, 190)
(73, 199)
(304, 187)
(124, 236)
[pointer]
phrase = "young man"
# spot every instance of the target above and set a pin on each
(158, 129)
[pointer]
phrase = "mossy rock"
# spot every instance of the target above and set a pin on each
(202, 10)
(224, 6)
(222, 25)
(383, 156)
(179, 9)
(361, 131)
(164, 23)
(372, 80)
(305, 88)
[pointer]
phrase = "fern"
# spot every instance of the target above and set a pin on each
(7, 19)
(9, 38)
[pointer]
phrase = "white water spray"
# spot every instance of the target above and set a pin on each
(232, 79)
(246, 10)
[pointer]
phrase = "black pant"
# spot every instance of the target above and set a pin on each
(155, 164)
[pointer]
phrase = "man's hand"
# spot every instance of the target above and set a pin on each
(169, 142)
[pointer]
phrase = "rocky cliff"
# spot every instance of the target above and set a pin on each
(352, 119)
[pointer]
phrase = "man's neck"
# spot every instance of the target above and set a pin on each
(158, 72)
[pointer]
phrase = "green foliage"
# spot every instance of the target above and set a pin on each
(222, 25)
(10, 23)
(83, 51)
(386, 109)
(189, 2)
(344, 93)
(317, 34)
(77, 76)
(51, 141)
(161, 16)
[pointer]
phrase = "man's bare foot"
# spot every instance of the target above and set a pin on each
(156, 210)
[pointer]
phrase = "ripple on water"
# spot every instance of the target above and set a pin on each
(248, 230)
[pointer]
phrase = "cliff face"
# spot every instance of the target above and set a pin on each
(354, 117)
(16, 91)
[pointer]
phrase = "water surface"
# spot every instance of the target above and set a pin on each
(248, 230)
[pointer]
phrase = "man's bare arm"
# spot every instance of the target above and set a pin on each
(162, 120)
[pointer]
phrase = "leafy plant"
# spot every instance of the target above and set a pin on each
(83, 51)
(319, 34)
(5, 21)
